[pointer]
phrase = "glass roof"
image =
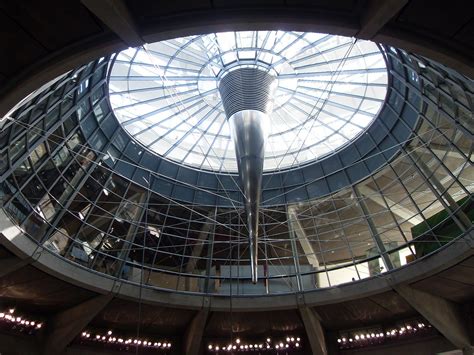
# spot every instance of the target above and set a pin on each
(328, 90)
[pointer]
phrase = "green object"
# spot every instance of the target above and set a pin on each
(439, 229)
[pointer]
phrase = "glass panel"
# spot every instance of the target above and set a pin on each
(327, 92)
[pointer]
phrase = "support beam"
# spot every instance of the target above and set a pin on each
(397, 209)
(373, 230)
(65, 326)
(302, 238)
(115, 15)
(377, 14)
(314, 330)
(12, 264)
(441, 313)
(459, 217)
(193, 336)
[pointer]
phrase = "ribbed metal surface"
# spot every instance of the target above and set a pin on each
(246, 89)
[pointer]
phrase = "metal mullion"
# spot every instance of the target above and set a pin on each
(171, 130)
(163, 226)
(172, 57)
(320, 53)
(265, 246)
(186, 134)
(442, 195)
(349, 120)
(443, 134)
(155, 78)
(164, 109)
(210, 253)
(299, 37)
(151, 88)
(343, 231)
(452, 120)
(448, 171)
(48, 132)
(183, 255)
(295, 256)
(145, 66)
(373, 230)
(435, 83)
(326, 73)
(216, 42)
(383, 197)
(332, 61)
(86, 218)
(393, 216)
(333, 225)
(333, 74)
(343, 82)
(211, 111)
(77, 188)
(51, 154)
(128, 244)
(180, 48)
(264, 42)
(154, 99)
(144, 117)
(322, 123)
(53, 224)
(396, 173)
(238, 259)
(336, 92)
(348, 108)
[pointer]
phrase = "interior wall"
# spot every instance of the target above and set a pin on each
(428, 346)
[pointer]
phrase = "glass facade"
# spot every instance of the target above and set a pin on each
(78, 185)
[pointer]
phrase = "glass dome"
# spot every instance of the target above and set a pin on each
(76, 185)
(328, 90)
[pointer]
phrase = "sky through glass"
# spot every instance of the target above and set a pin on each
(328, 91)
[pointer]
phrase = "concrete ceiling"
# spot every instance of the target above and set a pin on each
(44, 39)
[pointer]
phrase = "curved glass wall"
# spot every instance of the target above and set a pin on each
(328, 89)
(79, 188)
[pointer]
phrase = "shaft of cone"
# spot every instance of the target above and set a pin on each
(248, 131)
(246, 97)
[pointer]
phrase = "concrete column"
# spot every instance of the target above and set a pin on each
(314, 330)
(65, 326)
(376, 16)
(441, 313)
(116, 16)
(193, 336)
(396, 209)
(302, 237)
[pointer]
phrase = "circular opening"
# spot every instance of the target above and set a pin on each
(329, 89)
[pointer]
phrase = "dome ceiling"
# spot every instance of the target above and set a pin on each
(328, 90)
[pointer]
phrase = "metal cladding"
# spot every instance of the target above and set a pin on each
(246, 96)
(246, 89)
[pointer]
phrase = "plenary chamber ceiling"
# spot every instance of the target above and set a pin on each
(127, 166)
